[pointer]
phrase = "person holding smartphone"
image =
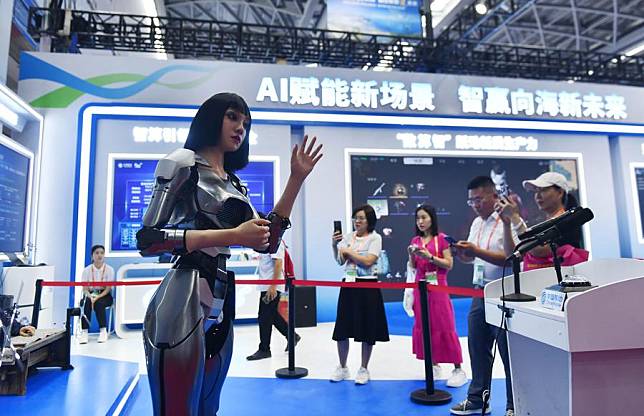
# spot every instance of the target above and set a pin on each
(483, 249)
(361, 312)
(430, 257)
(270, 267)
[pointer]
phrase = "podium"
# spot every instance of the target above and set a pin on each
(585, 360)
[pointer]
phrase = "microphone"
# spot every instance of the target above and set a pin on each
(553, 230)
(542, 226)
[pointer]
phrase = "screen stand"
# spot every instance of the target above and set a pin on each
(15, 260)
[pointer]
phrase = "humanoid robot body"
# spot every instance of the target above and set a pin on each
(198, 204)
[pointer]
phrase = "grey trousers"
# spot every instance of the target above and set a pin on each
(480, 339)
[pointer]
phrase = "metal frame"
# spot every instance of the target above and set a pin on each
(71, 30)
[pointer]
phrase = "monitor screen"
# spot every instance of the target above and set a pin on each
(133, 183)
(14, 194)
(396, 185)
(638, 196)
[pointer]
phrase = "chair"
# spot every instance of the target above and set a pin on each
(109, 310)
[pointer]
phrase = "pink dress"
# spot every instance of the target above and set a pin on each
(445, 345)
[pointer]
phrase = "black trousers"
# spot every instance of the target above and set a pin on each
(99, 309)
(268, 316)
(480, 339)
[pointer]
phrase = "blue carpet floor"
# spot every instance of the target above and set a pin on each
(269, 397)
(91, 388)
(401, 324)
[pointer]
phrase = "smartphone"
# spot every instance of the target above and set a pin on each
(450, 240)
(337, 227)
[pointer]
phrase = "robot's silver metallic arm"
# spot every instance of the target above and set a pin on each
(171, 174)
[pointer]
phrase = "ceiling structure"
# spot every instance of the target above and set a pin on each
(608, 26)
(584, 40)
(290, 13)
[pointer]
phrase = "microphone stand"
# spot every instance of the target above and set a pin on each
(556, 261)
(517, 296)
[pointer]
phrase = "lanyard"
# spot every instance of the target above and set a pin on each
(558, 213)
(478, 239)
(102, 273)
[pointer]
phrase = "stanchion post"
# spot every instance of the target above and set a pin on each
(291, 371)
(429, 395)
(35, 313)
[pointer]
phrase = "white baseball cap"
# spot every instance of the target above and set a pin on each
(545, 180)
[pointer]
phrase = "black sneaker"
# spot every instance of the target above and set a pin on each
(259, 355)
(466, 407)
(297, 339)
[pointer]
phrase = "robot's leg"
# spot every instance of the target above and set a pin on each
(216, 367)
(174, 344)
(219, 351)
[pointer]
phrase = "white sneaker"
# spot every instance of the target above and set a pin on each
(436, 371)
(362, 376)
(340, 373)
(83, 337)
(102, 336)
(457, 379)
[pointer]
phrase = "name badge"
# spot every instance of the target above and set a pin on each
(431, 278)
(552, 299)
(479, 275)
(350, 273)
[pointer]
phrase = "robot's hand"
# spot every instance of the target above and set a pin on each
(153, 242)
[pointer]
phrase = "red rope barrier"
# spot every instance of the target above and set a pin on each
(260, 282)
(363, 285)
(452, 290)
(455, 290)
(102, 284)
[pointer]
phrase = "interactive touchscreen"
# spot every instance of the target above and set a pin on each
(395, 185)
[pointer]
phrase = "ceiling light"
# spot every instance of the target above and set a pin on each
(480, 7)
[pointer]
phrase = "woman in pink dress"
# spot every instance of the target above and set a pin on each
(431, 257)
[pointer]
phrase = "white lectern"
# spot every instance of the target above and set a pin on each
(585, 360)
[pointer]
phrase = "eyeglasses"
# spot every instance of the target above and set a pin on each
(476, 201)
(359, 219)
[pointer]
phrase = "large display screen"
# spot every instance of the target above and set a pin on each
(395, 185)
(133, 183)
(638, 196)
(386, 17)
(14, 194)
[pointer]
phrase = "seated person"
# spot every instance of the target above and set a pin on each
(98, 297)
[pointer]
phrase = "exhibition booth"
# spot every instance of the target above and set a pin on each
(393, 140)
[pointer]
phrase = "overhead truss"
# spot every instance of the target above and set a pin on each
(196, 38)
